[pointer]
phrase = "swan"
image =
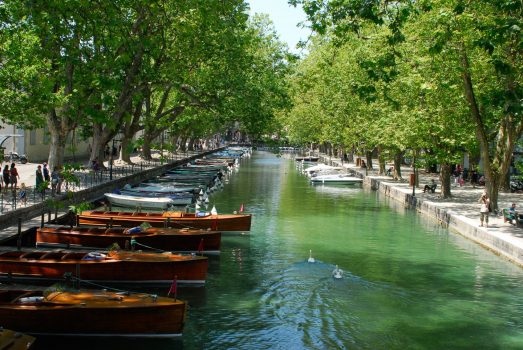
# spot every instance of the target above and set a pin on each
(311, 259)
(337, 273)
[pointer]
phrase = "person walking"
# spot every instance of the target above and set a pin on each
(484, 209)
(23, 194)
(46, 174)
(6, 174)
(39, 179)
(474, 178)
(55, 179)
(14, 176)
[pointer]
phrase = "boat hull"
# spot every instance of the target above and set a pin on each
(150, 271)
(141, 202)
(239, 222)
(172, 240)
(145, 319)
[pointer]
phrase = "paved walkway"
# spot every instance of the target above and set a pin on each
(463, 206)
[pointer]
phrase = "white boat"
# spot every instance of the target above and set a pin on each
(320, 168)
(180, 198)
(135, 202)
(342, 179)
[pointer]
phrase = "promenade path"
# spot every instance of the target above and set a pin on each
(27, 172)
(461, 211)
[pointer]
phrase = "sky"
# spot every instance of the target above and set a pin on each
(285, 18)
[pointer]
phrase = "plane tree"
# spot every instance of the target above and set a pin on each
(480, 39)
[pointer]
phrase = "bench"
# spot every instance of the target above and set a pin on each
(515, 219)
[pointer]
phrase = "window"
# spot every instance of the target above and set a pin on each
(32, 137)
(46, 135)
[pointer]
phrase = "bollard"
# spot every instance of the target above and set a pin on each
(48, 216)
(19, 239)
(42, 220)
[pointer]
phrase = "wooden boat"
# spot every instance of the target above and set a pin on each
(220, 222)
(341, 179)
(92, 313)
(158, 238)
(123, 200)
(114, 267)
(11, 340)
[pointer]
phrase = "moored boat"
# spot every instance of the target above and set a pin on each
(342, 179)
(307, 159)
(157, 238)
(219, 222)
(179, 198)
(92, 313)
(113, 267)
(123, 200)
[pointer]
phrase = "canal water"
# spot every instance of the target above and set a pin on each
(407, 283)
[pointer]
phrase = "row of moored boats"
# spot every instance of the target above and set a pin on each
(161, 248)
(319, 173)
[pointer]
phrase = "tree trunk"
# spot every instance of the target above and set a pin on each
(183, 144)
(368, 156)
(381, 161)
(398, 159)
(98, 145)
(496, 166)
(190, 145)
(146, 148)
(125, 150)
(444, 178)
(57, 150)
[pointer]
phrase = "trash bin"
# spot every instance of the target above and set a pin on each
(412, 180)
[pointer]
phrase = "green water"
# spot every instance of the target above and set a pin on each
(407, 284)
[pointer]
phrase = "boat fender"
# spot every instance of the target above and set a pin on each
(133, 230)
(94, 256)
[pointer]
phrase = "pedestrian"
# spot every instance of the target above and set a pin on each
(45, 171)
(484, 209)
(39, 184)
(14, 176)
(474, 178)
(6, 174)
(23, 194)
(55, 179)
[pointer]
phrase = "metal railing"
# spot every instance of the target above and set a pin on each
(11, 199)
